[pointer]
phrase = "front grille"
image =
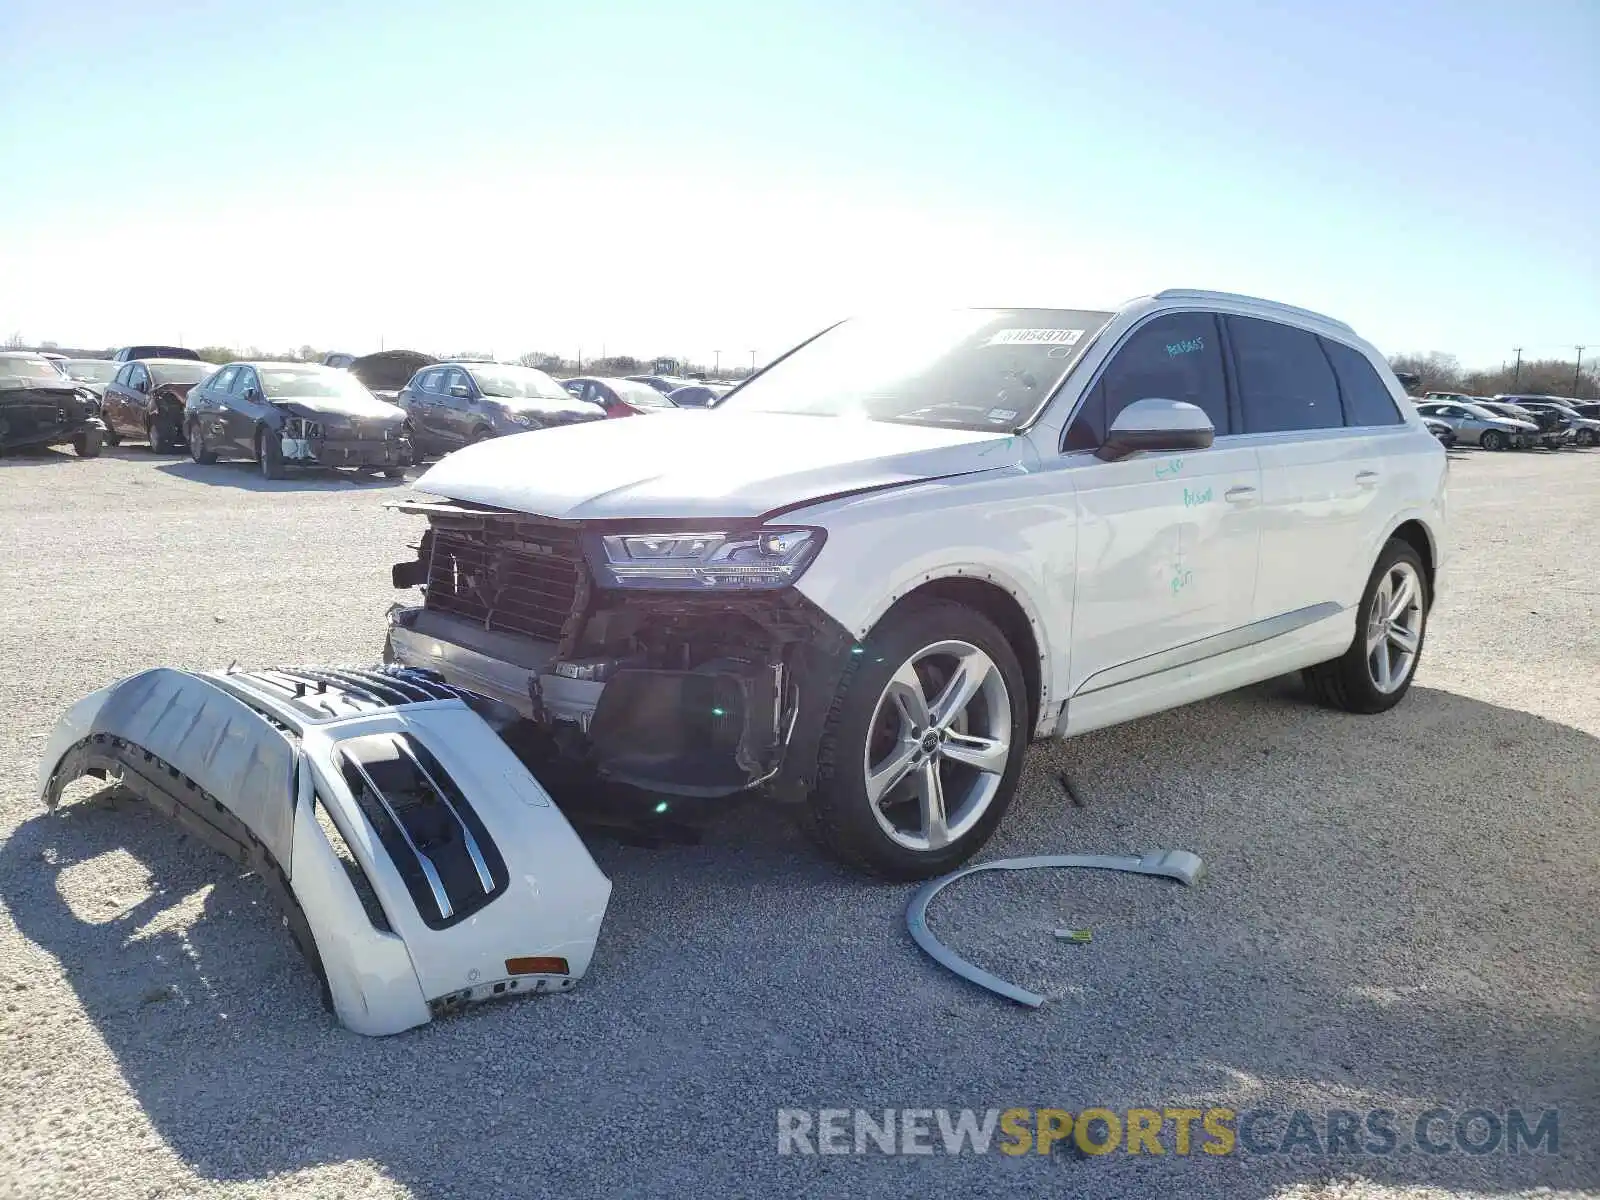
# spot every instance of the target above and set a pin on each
(513, 579)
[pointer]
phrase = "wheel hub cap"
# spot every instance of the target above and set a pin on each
(938, 745)
(1394, 628)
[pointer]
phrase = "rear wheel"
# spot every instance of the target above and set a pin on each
(197, 445)
(1493, 439)
(394, 472)
(923, 747)
(269, 453)
(112, 437)
(1375, 673)
(87, 443)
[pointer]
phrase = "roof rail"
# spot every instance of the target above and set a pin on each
(1202, 294)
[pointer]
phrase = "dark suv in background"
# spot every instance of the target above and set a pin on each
(454, 404)
(129, 353)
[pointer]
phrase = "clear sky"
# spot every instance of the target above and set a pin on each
(680, 178)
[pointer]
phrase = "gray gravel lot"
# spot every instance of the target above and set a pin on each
(1400, 911)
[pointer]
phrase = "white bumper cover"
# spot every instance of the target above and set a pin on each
(419, 864)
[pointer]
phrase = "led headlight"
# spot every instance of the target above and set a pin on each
(762, 558)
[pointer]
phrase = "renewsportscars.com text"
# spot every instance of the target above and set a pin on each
(1180, 1131)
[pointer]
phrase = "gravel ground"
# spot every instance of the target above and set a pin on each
(1399, 911)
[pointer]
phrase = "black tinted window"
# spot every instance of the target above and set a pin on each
(1174, 357)
(1366, 400)
(1285, 381)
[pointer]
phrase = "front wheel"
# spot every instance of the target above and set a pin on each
(394, 472)
(1584, 437)
(197, 445)
(160, 443)
(924, 744)
(269, 453)
(87, 443)
(1375, 673)
(1493, 439)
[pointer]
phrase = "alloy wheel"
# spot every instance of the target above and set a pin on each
(938, 745)
(1394, 628)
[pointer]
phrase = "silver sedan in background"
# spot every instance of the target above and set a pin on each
(1477, 426)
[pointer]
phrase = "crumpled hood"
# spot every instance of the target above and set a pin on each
(702, 464)
(358, 407)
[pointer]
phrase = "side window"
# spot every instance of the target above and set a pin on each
(1173, 357)
(139, 377)
(246, 378)
(223, 379)
(455, 378)
(1285, 381)
(122, 377)
(1366, 400)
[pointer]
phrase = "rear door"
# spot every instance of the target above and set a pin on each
(139, 388)
(114, 404)
(240, 407)
(1328, 477)
(458, 407)
(1167, 544)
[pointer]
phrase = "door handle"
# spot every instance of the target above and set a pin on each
(1240, 495)
(1366, 479)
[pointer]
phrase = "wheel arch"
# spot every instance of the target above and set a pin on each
(1416, 534)
(983, 593)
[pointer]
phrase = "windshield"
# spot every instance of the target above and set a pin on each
(983, 369)
(507, 383)
(92, 370)
(29, 367)
(296, 383)
(180, 372)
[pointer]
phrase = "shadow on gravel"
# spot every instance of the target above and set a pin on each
(746, 973)
(247, 477)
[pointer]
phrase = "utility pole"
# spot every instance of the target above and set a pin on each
(1576, 367)
(717, 370)
(1516, 372)
(752, 362)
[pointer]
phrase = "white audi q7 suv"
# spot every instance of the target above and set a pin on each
(881, 566)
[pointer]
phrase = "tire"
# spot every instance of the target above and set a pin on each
(113, 438)
(156, 431)
(1492, 439)
(480, 434)
(869, 728)
(1584, 437)
(394, 472)
(269, 453)
(1353, 680)
(87, 443)
(197, 445)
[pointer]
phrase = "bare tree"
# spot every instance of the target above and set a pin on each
(1435, 372)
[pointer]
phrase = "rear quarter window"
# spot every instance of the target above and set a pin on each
(1366, 400)
(1285, 380)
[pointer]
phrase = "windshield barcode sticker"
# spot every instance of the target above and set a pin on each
(1034, 337)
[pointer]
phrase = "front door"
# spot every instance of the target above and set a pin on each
(1167, 544)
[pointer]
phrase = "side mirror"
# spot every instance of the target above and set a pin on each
(1157, 425)
(252, 394)
(460, 390)
(143, 385)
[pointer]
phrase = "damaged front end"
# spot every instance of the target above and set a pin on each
(418, 864)
(675, 687)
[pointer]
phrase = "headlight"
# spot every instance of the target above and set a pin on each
(762, 558)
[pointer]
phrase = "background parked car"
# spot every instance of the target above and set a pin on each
(1441, 430)
(1585, 430)
(58, 361)
(665, 384)
(39, 406)
(618, 397)
(1589, 412)
(1477, 426)
(144, 400)
(92, 374)
(698, 395)
(454, 404)
(294, 414)
(129, 353)
(338, 359)
(1553, 432)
